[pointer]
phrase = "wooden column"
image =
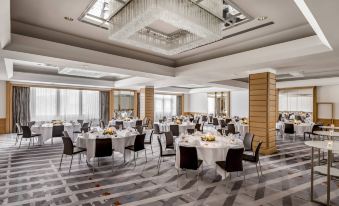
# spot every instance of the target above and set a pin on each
(9, 107)
(111, 104)
(147, 103)
(262, 97)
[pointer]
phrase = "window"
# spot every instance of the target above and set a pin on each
(63, 104)
(164, 105)
(296, 100)
(218, 103)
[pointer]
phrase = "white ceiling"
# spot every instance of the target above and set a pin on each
(294, 43)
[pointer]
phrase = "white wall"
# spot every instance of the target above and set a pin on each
(329, 94)
(239, 103)
(2, 99)
(197, 103)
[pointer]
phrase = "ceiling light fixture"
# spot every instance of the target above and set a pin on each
(262, 18)
(67, 18)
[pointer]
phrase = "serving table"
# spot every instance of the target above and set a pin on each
(331, 147)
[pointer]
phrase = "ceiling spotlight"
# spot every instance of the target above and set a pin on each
(262, 18)
(67, 18)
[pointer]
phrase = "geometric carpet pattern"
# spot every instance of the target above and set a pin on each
(31, 177)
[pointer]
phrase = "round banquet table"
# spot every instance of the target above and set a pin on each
(333, 135)
(127, 124)
(165, 127)
(46, 130)
(121, 140)
(298, 128)
(209, 152)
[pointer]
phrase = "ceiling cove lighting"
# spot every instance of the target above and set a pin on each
(88, 73)
(167, 27)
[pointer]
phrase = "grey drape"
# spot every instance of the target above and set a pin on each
(179, 104)
(104, 106)
(21, 107)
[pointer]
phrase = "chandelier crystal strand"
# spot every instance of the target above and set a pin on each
(196, 26)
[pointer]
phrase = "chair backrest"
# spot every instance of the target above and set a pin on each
(190, 131)
(188, 158)
(198, 127)
(139, 143)
(222, 123)
(85, 127)
(26, 131)
(156, 128)
(161, 121)
(257, 150)
(160, 145)
(18, 127)
(138, 123)
(119, 123)
(65, 134)
(234, 160)
(204, 118)
(80, 121)
(174, 128)
(316, 127)
(289, 128)
(103, 147)
(228, 121)
(68, 145)
(231, 128)
(57, 130)
(248, 140)
(31, 123)
(139, 129)
(151, 136)
(210, 119)
(169, 138)
(102, 124)
(215, 121)
(220, 131)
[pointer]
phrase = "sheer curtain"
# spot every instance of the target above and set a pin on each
(165, 105)
(90, 105)
(211, 105)
(69, 104)
(63, 104)
(43, 103)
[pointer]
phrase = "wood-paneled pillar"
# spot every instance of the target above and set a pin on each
(262, 108)
(147, 103)
(111, 104)
(9, 107)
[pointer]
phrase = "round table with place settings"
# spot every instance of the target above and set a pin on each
(165, 127)
(298, 128)
(120, 140)
(209, 152)
(46, 130)
(127, 123)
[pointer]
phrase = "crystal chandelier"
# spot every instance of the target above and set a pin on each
(165, 26)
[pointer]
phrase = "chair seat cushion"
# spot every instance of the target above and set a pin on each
(132, 148)
(248, 157)
(169, 146)
(168, 153)
(77, 150)
(35, 135)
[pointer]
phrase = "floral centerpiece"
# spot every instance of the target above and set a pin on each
(208, 138)
(57, 122)
(178, 121)
(109, 131)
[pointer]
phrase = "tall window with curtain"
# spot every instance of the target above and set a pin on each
(48, 104)
(164, 105)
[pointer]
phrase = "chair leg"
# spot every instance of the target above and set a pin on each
(260, 168)
(29, 144)
(159, 163)
(20, 143)
(61, 161)
(135, 162)
(145, 155)
(70, 165)
(152, 148)
(256, 166)
(112, 161)
(16, 139)
(244, 173)
(33, 141)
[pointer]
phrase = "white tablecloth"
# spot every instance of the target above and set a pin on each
(298, 128)
(242, 128)
(209, 152)
(119, 142)
(165, 127)
(46, 130)
(127, 124)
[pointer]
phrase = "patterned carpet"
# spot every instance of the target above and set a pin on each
(31, 177)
